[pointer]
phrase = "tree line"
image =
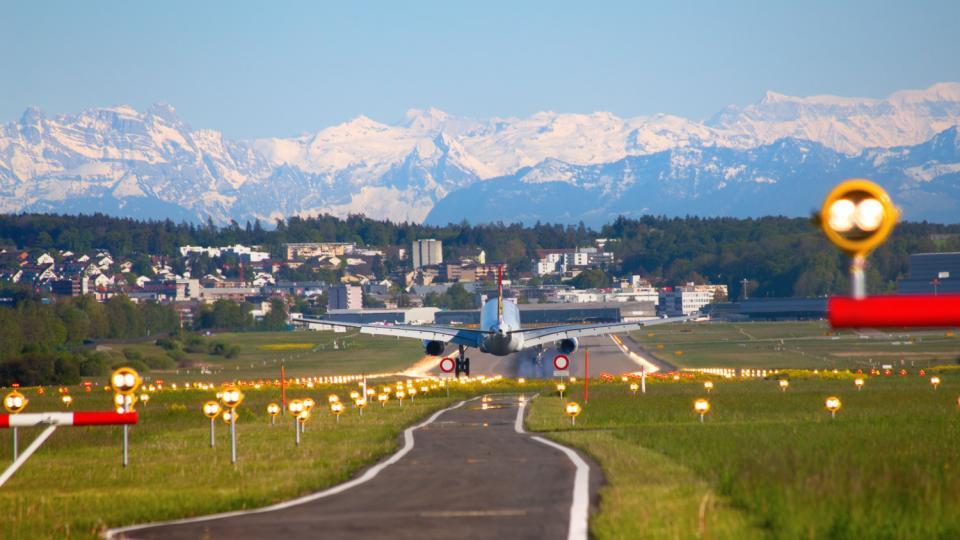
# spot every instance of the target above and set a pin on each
(54, 341)
(778, 256)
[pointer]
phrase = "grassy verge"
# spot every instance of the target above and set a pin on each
(884, 468)
(303, 353)
(74, 486)
(807, 345)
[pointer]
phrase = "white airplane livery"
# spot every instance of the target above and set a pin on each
(499, 333)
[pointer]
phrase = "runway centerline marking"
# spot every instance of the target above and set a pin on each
(580, 508)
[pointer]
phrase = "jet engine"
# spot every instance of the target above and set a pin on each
(568, 346)
(433, 348)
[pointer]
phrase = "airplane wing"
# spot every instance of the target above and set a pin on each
(550, 334)
(446, 334)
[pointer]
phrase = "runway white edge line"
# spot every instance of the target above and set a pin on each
(580, 508)
(368, 475)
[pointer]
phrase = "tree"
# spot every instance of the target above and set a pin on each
(593, 278)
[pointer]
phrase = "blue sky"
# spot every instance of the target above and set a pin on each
(256, 69)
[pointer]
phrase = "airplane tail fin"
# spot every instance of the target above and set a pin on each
(500, 294)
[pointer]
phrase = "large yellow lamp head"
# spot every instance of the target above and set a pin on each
(14, 402)
(125, 381)
(857, 216)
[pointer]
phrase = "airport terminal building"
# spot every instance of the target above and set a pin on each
(530, 314)
(932, 273)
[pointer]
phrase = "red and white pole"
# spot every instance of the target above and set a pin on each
(53, 420)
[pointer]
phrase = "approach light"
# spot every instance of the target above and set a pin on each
(857, 216)
(125, 381)
(67, 399)
(634, 387)
(701, 407)
(708, 386)
(145, 398)
(309, 404)
(521, 380)
(229, 416)
(833, 405)
(295, 407)
(382, 398)
(15, 402)
(333, 398)
(572, 409)
(304, 416)
(273, 409)
(211, 409)
(337, 409)
(784, 384)
(231, 396)
(561, 388)
(858, 382)
(935, 381)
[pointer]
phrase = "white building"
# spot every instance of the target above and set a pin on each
(427, 252)
(689, 299)
(241, 251)
(344, 297)
(559, 261)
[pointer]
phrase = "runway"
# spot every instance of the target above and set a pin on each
(472, 473)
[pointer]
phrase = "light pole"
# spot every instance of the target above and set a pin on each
(572, 409)
(833, 405)
(295, 407)
(701, 407)
(125, 382)
(360, 404)
(232, 396)
(337, 409)
(273, 410)
(784, 384)
(211, 410)
(14, 403)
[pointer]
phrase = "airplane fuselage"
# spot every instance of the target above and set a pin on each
(502, 340)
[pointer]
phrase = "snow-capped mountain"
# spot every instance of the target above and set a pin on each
(153, 164)
(787, 177)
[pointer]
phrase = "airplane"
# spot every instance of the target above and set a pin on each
(499, 334)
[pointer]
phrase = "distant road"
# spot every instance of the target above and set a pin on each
(471, 473)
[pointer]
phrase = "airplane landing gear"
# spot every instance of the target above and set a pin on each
(462, 363)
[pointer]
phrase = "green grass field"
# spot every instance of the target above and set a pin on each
(769, 463)
(806, 345)
(74, 486)
(303, 353)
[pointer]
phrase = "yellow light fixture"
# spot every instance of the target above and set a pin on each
(15, 402)
(701, 407)
(125, 381)
(833, 405)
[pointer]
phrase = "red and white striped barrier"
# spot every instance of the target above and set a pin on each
(92, 418)
(53, 420)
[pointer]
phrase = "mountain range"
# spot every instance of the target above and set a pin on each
(777, 156)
